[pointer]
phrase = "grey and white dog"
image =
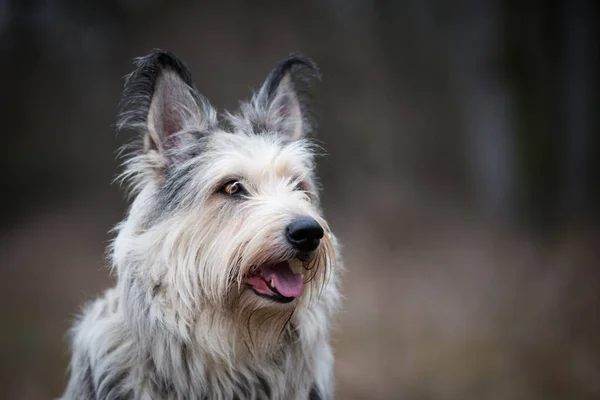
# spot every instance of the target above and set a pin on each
(226, 270)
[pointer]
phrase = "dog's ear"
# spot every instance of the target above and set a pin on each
(283, 102)
(160, 101)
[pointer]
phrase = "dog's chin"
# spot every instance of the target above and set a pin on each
(274, 297)
(275, 284)
(253, 300)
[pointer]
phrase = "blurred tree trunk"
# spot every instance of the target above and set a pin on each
(487, 106)
(578, 73)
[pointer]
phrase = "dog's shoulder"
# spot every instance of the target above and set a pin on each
(99, 363)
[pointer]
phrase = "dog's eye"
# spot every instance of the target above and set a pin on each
(301, 186)
(232, 188)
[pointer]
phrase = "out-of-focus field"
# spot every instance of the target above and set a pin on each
(471, 314)
(452, 311)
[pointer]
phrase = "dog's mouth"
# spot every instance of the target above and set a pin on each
(276, 282)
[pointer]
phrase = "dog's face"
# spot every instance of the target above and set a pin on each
(226, 212)
(262, 234)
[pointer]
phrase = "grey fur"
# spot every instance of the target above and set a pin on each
(180, 323)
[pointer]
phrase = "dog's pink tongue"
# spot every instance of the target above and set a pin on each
(286, 282)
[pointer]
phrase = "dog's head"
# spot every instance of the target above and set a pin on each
(226, 212)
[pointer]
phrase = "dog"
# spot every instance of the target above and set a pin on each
(226, 271)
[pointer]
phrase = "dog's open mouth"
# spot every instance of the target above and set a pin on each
(276, 282)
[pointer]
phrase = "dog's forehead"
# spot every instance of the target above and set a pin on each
(255, 156)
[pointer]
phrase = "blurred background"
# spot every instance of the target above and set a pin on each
(462, 178)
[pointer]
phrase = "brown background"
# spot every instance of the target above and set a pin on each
(462, 178)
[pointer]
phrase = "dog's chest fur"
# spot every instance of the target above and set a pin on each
(167, 368)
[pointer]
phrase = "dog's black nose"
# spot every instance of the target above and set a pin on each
(304, 234)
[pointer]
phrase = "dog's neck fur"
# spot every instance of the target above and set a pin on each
(148, 360)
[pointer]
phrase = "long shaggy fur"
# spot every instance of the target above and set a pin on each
(181, 323)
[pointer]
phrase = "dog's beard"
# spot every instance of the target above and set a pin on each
(202, 292)
(263, 323)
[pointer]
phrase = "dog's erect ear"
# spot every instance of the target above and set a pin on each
(161, 101)
(283, 102)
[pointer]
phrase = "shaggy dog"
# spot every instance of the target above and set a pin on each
(226, 270)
